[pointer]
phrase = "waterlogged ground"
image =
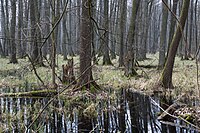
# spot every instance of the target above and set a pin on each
(184, 75)
(109, 111)
(129, 112)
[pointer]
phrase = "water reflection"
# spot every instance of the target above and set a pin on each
(130, 112)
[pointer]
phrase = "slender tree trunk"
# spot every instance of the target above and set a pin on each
(64, 37)
(129, 59)
(78, 26)
(45, 48)
(8, 42)
(36, 54)
(106, 56)
(166, 77)
(58, 29)
(13, 58)
(147, 16)
(122, 31)
(113, 26)
(196, 26)
(191, 29)
(25, 25)
(1, 50)
(163, 40)
(70, 42)
(172, 23)
(186, 45)
(53, 47)
(3, 29)
(20, 23)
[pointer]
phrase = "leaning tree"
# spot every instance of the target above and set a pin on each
(166, 77)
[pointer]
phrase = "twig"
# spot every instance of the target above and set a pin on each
(93, 130)
(34, 69)
(174, 124)
(55, 96)
(51, 68)
(57, 22)
(173, 116)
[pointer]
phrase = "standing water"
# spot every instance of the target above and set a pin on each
(130, 112)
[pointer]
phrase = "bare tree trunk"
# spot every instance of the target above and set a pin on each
(64, 37)
(163, 40)
(172, 23)
(53, 47)
(20, 24)
(191, 29)
(129, 59)
(45, 48)
(106, 56)
(58, 29)
(36, 54)
(196, 26)
(25, 25)
(122, 31)
(1, 50)
(70, 42)
(3, 29)
(166, 77)
(85, 46)
(78, 2)
(8, 47)
(13, 58)
(114, 12)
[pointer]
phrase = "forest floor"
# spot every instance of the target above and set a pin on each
(185, 79)
(184, 75)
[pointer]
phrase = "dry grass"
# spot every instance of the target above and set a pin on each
(184, 75)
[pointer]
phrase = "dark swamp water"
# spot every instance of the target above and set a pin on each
(131, 112)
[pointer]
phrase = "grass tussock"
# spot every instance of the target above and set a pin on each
(110, 78)
(184, 75)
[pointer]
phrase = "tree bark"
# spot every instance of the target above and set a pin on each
(85, 45)
(70, 33)
(53, 47)
(20, 24)
(129, 59)
(163, 40)
(13, 58)
(36, 54)
(3, 29)
(172, 24)
(122, 31)
(8, 42)
(45, 48)
(64, 37)
(106, 56)
(191, 29)
(166, 77)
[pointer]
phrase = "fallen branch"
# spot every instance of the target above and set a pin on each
(36, 93)
(170, 109)
(173, 116)
(55, 97)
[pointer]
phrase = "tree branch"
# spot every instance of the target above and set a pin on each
(55, 96)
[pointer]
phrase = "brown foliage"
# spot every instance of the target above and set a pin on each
(68, 72)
